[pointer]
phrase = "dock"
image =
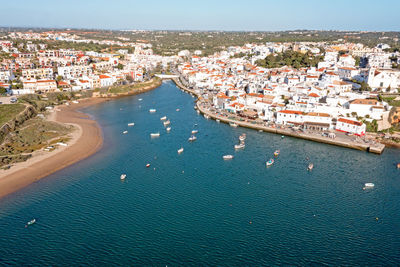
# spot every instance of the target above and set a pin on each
(376, 148)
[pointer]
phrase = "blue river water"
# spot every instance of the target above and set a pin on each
(196, 209)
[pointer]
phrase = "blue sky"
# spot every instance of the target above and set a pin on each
(256, 15)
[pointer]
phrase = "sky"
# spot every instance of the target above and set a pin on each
(228, 15)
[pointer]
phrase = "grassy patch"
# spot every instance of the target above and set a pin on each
(137, 86)
(9, 111)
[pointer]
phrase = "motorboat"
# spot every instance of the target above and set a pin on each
(155, 134)
(260, 131)
(177, 109)
(123, 176)
(192, 138)
(147, 165)
(180, 150)
(206, 116)
(140, 99)
(163, 118)
(310, 167)
(152, 110)
(398, 165)
(277, 152)
(195, 131)
(166, 123)
(240, 146)
(226, 157)
(125, 132)
(269, 162)
(218, 120)
(242, 137)
(198, 111)
(131, 124)
(168, 129)
(369, 185)
(30, 222)
(233, 124)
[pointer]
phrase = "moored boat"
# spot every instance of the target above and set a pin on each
(192, 138)
(233, 124)
(152, 110)
(166, 123)
(131, 124)
(180, 150)
(398, 165)
(240, 146)
(310, 167)
(125, 132)
(163, 118)
(147, 165)
(242, 137)
(195, 131)
(226, 157)
(177, 109)
(206, 116)
(269, 162)
(369, 185)
(123, 176)
(155, 134)
(218, 120)
(168, 129)
(277, 152)
(140, 99)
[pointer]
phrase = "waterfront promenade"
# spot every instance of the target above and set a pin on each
(340, 139)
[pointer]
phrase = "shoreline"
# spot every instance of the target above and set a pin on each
(86, 140)
(376, 148)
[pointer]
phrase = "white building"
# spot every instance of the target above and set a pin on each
(348, 125)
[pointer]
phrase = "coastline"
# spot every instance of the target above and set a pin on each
(376, 148)
(86, 140)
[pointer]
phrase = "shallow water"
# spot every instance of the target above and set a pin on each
(197, 209)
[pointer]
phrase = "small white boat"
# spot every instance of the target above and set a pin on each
(240, 146)
(75, 102)
(226, 157)
(155, 134)
(147, 165)
(217, 120)
(152, 110)
(369, 185)
(125, 132)
(206, 116)
(242, 137)
(168, 129)
(180, 150)
(30, 222)
(166, 123)
(62, 144)
(123, 176)
(131, 124)
(140, 99)
(260, 131)
(195, 131)
(163, 118)
(192, 138)
(177, 109)
(233, 124)
(277, 152)
(198, 111)
(269, 162)
(310, 167)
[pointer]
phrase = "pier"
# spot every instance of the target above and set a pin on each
(371, 146)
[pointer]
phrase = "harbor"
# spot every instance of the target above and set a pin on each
(340, 139)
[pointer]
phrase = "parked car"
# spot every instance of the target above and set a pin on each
(13, 100)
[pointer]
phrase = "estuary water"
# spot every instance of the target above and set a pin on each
(194, 208)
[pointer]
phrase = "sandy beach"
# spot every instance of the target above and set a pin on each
(85, 140)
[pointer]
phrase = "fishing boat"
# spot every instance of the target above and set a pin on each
(310, 167)
(147, 165)
(195, 131)
(233, 124)
(226, 157)
(277, 152)
(269, 162)
(123, 176)
(131, 124)
(192, 138)
(369, 185)
(242, 137)
(163, 118)
(155, 134)
(30, 222)
(180, 150)
(166, 123)
(240, 146)
(168, 129)
(152, 110)
(125, 132)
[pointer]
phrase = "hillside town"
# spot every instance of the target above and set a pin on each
(352, 88)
